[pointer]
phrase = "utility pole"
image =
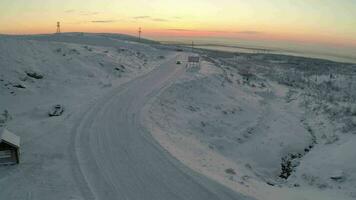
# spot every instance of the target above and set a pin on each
(192, 46)
(58, 27)
(139, 34)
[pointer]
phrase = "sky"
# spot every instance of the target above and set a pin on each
(309, 21)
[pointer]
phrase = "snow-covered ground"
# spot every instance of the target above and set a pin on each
(260, 136)
(97, 148)
(37, 74)
(245, 126)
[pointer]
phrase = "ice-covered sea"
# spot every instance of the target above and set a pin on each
(323, 51)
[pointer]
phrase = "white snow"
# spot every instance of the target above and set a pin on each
(96, 149)
(212, 121)
(74, 75)
(216, 135)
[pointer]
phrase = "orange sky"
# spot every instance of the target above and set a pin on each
(317, 21)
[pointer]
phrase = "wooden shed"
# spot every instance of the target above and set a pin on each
(9, 148)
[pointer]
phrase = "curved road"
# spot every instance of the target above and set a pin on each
(116, 158)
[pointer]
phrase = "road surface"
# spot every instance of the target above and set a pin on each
(118, 159)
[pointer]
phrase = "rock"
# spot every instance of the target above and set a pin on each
(270, 183)
(88, 48)
(230, 171)
(19, 86)
(338, 176)
(34, 75)
(202, 124)
(193, 109)
(56, 110)
(74, 51)
(59, 50)
(121, 49)
(248, 166)
(105, 85)
(121, 68)
(332, 139)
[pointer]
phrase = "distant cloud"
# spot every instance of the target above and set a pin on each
(160, 20)
(194, 30)
(142, 17)
(103, 21)
(146, 17)
(249, 32)
(238, 32)
(88, 13)
(84, 13)
(180, 29)
(75, 22)
(69, 11)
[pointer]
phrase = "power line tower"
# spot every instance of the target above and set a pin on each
(139, 33)
(58, 27)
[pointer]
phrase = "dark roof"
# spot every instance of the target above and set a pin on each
(193, 59)
(9, 138)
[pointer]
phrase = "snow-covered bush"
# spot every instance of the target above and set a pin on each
(34, 74)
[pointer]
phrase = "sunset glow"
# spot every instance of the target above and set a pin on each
(317, 21)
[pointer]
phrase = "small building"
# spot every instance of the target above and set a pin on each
(9, 148)
(193, 61)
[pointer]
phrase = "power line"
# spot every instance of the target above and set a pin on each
(139, 33)
(58, 27)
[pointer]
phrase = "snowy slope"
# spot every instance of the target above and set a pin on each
(74, 75)
(286, 133)
(242, 133)
(97, 149)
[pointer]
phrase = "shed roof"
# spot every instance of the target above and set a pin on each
(9, 138)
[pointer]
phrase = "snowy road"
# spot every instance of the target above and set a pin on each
(116, 158)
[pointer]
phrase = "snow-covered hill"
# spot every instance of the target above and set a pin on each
(262, 125)
(68, 69)
(38, 72)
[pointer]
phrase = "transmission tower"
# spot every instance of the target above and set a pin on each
(139, 33)
(58, 27)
